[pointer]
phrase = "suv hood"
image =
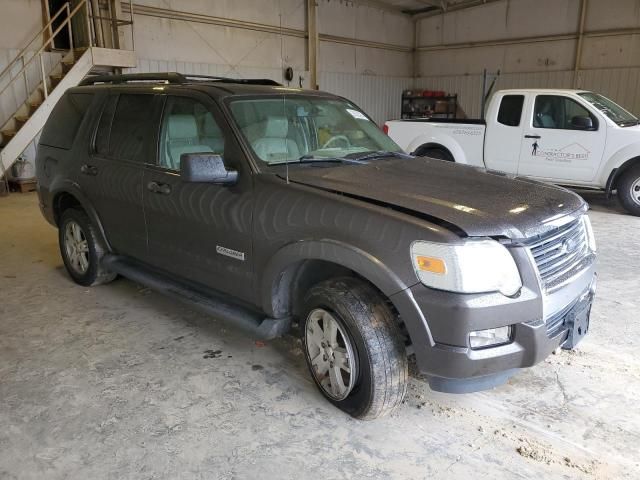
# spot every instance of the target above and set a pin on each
(474, 201)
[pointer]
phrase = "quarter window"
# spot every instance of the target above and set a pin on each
(558, 112)
(510, 110)
(188, 127)
(65, 120)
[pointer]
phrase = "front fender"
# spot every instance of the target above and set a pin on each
(72, 188)
(339, 253)
(616, 160)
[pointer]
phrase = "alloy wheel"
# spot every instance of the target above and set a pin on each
(331, 354)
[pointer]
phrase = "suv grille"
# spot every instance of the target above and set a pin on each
(561, 254)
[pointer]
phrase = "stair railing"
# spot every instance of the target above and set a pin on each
(66, 23)
(83, 6)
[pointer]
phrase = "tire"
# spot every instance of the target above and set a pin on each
(438, 153)
(629, 190)
(367, 329)
(76, 230)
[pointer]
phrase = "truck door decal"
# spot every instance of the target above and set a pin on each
(566, 154)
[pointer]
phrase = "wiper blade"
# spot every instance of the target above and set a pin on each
(312, 159)
(381, 154)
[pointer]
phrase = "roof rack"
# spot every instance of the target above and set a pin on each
(171, 77)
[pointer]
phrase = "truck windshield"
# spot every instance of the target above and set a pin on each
(612, 110)
(295, 128)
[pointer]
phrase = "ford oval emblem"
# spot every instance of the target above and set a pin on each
(569, 245)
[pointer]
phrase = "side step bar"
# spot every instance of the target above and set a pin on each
(209, 302)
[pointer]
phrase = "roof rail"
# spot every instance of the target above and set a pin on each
(171, 77)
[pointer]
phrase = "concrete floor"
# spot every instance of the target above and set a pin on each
(119, 382)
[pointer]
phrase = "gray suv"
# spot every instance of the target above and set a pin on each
(279, 209)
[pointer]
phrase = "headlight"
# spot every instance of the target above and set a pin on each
(589, 229)
(475, 266)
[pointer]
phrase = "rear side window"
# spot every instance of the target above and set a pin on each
(510, 110)
(124, 127)
(65, 119)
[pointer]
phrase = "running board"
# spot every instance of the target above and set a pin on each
(209, 302)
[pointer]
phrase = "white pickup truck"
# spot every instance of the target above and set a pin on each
(568, 137)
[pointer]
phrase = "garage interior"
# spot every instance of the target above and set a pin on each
(119, 381)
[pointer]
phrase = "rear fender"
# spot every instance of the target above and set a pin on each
(71, 188)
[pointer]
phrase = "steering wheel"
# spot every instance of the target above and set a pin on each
(337, 138)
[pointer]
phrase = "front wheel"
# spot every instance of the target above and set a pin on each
(354, 348)
(629, 190)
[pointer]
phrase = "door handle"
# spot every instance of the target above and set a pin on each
(161, 188)
(89, 170)
(532, 136)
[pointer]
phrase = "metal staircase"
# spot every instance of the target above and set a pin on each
(89, 54)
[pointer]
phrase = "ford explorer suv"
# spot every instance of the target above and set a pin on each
(567, 137)
(284, 210)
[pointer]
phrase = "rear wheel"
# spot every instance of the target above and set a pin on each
(354, 348)
(81, 249)
(629, 190)
(438, 153)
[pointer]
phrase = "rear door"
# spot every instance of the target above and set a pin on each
(113, 172)
(554, 148)
(199, 231)
(503, 136)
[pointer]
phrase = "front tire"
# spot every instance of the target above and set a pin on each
(629, 190)
(81, 249)
(354, 349)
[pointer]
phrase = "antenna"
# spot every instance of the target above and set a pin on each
(284, 105)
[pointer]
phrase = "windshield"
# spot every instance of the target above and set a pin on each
(612, 110)
(297, 129)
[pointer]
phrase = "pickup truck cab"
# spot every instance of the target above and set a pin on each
(273, 207)
(567, 137)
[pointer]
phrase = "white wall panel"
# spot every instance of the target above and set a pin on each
(378, 96)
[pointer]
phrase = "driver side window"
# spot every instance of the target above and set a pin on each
(187, 127)
(558, 112)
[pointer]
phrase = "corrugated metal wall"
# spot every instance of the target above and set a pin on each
(619, 84)
(379, 96)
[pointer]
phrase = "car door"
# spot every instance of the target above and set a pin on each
(556, 146)
(504, 134)
(199, 231)
(113, 172)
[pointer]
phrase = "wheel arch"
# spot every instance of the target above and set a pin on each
(442, 142)
(70, 196)
(617, 173)
(299, 265)
(433, 146)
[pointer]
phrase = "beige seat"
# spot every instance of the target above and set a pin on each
(274, 145)
(182, 137)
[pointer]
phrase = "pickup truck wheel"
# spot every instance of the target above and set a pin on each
(439, 153)
(81, 250)
(354, 348)
(629, 190)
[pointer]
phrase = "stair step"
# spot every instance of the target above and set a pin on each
(7, 135)
(21, 119)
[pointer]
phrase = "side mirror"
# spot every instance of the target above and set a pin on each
(206, 168)
(582, 123)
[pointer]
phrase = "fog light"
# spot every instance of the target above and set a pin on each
(490, 338)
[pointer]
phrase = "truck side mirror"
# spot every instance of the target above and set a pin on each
(582, 123)
(206, 168)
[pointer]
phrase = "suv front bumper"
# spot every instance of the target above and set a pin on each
(540, 324)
